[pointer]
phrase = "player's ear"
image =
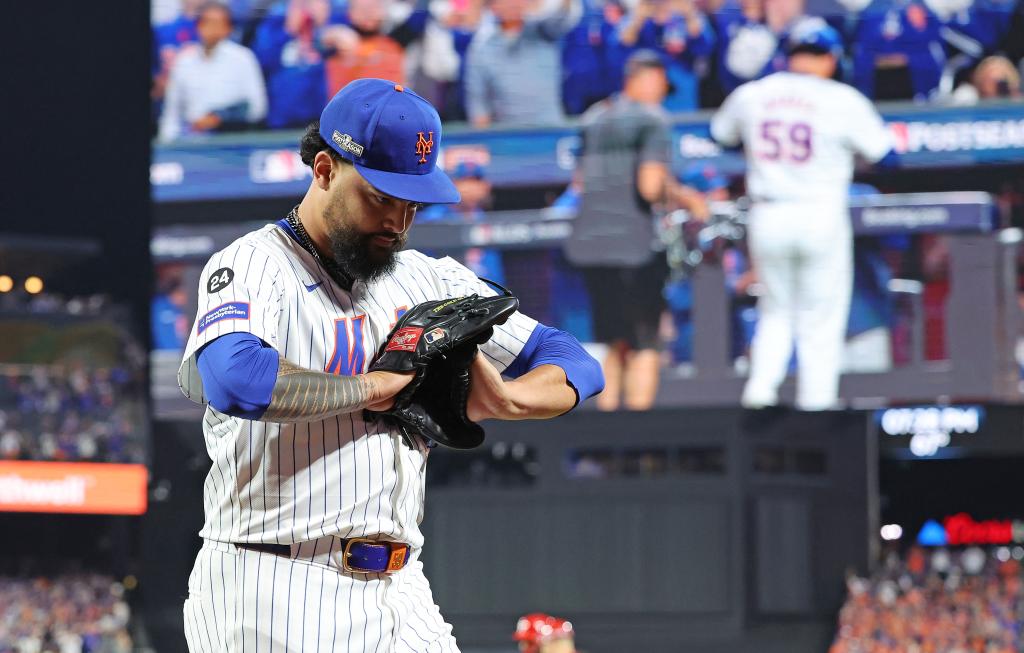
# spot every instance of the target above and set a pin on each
(323, 168)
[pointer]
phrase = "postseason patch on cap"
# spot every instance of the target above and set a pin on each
(229, 311)
(346, 143)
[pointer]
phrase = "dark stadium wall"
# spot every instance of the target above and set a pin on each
(169, 530)
(76, 136)
(692, 531)
(671, 530)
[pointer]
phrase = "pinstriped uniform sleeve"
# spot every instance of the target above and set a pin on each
(509, 339)
(727, 122)
(238, 291)
(867, 133)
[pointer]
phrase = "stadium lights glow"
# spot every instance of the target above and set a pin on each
(33, 285)
(891, 532)
(6, 283)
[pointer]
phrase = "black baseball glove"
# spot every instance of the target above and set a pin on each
(438, 340)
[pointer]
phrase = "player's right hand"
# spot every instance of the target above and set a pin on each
(385, 386)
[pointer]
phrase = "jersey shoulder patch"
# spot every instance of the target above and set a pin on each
(231, 265)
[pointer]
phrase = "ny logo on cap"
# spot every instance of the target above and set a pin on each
(346, 143)
(424, 145)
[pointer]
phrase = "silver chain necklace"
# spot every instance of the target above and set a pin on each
(330, 267)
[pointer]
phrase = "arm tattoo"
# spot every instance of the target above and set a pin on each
(302, 395)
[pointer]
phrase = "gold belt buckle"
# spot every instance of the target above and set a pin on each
(397, 554)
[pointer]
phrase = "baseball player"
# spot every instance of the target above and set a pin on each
(311, 539)
(801, 130)
(542, 633)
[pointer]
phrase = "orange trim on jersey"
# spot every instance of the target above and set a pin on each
(399, 312)
(352, 343)
(333, 362)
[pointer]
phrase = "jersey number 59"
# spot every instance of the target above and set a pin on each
(780, 141)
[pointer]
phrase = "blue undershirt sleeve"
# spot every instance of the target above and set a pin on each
(238, 372)
(549, 346)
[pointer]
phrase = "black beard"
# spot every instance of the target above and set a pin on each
(359, 258)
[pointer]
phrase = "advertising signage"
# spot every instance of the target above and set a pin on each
(96, 488)
(268, 165)
(962, 529)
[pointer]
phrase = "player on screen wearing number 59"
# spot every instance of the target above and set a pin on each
(311, 540)
(800, 130)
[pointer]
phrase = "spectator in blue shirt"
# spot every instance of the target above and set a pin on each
(168, 323)
(592, 60)
(678, 31)
(898, 51)
(180, 31)
(288, 48)
(975, 27)
(753, 33)
(738, 63)
(475, 190)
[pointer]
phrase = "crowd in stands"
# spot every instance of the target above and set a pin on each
(245, 64)
(71, 413)
(74, 613)
(941, 602)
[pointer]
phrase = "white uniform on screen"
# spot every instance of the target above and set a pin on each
(800, 133)
(308, 484)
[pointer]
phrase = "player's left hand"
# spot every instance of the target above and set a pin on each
(490, 396)
(438, 341)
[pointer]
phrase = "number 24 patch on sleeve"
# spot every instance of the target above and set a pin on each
(229, 311)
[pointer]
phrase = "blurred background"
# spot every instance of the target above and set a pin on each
(671, 521)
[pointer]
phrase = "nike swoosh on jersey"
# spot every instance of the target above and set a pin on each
(312, 286)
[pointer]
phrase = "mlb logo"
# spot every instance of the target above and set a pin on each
(435, 335)
(405, 339)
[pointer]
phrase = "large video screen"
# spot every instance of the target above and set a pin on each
(228, 155)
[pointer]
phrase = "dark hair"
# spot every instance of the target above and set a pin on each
(810, 48)
(643, 59)
(216, 5)
(313, 143)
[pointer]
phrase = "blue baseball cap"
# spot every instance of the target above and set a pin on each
(814, 34)
(392, 137)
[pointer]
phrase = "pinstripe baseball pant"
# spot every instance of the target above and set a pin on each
(244, 600)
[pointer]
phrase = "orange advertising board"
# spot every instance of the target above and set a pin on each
(99, 488)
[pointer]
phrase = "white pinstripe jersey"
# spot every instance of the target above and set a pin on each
(288, 483)
(800, 134)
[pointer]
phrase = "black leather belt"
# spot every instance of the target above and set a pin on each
(359, 555)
